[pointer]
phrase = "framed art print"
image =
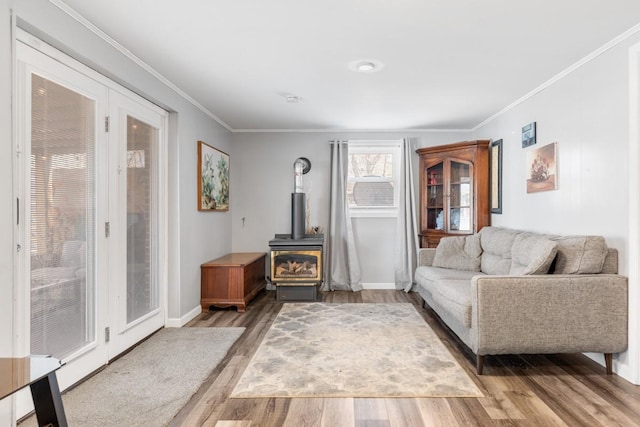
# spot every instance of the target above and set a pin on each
(529, 134)
(213, 178)
(542, 169)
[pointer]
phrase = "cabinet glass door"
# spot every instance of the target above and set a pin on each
(435, 197)
(460, 196)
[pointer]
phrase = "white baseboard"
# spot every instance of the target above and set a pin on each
(174, 322)
(378, 286)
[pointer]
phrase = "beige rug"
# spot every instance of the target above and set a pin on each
(149, 385)
(352, 350)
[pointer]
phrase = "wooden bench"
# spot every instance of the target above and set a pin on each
(232, 280)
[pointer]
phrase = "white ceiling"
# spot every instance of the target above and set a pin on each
(448, 64)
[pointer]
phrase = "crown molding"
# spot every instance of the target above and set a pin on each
(127, 53)
(338, 130)
(593, 55)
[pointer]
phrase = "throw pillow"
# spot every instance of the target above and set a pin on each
(459, 253)
(532, 254)
(580, 254)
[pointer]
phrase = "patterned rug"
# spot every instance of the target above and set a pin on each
(352, 350)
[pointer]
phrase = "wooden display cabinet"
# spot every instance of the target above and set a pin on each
(454, 190)
(234, 279)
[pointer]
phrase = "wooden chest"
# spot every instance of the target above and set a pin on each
(233, 279)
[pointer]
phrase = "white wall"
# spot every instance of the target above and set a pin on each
(587, 113)
(262, 181)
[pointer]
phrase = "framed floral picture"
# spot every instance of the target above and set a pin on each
(213, 178)
(542, 169)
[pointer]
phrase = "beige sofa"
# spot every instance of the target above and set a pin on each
(505, 291)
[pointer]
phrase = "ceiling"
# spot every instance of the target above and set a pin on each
(445, 64)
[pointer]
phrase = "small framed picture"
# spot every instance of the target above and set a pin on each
(529, 135)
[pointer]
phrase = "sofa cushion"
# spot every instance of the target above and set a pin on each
(455, 297)
(579, 254)
(496, 246)
(532, 254)
(435, 274)
(459, 252)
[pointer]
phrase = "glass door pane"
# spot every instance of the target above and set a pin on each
(435, 197)
(142, 289)
(460, 197)
(62, 219)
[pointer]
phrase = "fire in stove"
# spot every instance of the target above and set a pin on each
(296, 265)
(293, 267)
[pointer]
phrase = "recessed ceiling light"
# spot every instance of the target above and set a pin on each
(365, 66)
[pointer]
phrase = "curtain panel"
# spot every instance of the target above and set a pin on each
(406, 251)
(343, 267)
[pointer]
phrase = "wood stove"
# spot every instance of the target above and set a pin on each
(296, 258)
(296, 266)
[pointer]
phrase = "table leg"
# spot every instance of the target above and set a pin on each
(48, 402)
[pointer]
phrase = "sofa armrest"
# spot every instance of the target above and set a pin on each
(549, 314)
(425, 256)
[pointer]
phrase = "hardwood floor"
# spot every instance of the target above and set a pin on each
(551, 390)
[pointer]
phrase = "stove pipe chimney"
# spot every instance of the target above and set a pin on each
(298, 198)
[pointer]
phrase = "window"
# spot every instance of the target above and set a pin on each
(374, 169)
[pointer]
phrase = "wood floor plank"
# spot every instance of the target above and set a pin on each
(304, 413)
(338, 413)
(369, 409)
(275, 413)
(616, 391)
(536, 412)
(243, 409)
(383, 296)
(585, 405)
(469, 412)
(225, 423)
(372, 423)
(436, 412)
(499, 407)
(342, 297)
(403, 413)
(524, 391)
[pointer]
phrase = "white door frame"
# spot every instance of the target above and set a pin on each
(633, 362)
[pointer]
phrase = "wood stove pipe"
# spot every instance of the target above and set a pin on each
(298, 198)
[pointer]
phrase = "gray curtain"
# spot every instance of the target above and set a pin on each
(343, 268)
(406, 251)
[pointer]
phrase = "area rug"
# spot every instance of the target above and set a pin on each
(352, 350)
(149, 385)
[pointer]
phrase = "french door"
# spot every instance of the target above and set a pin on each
(136, 225)
(91, 224)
